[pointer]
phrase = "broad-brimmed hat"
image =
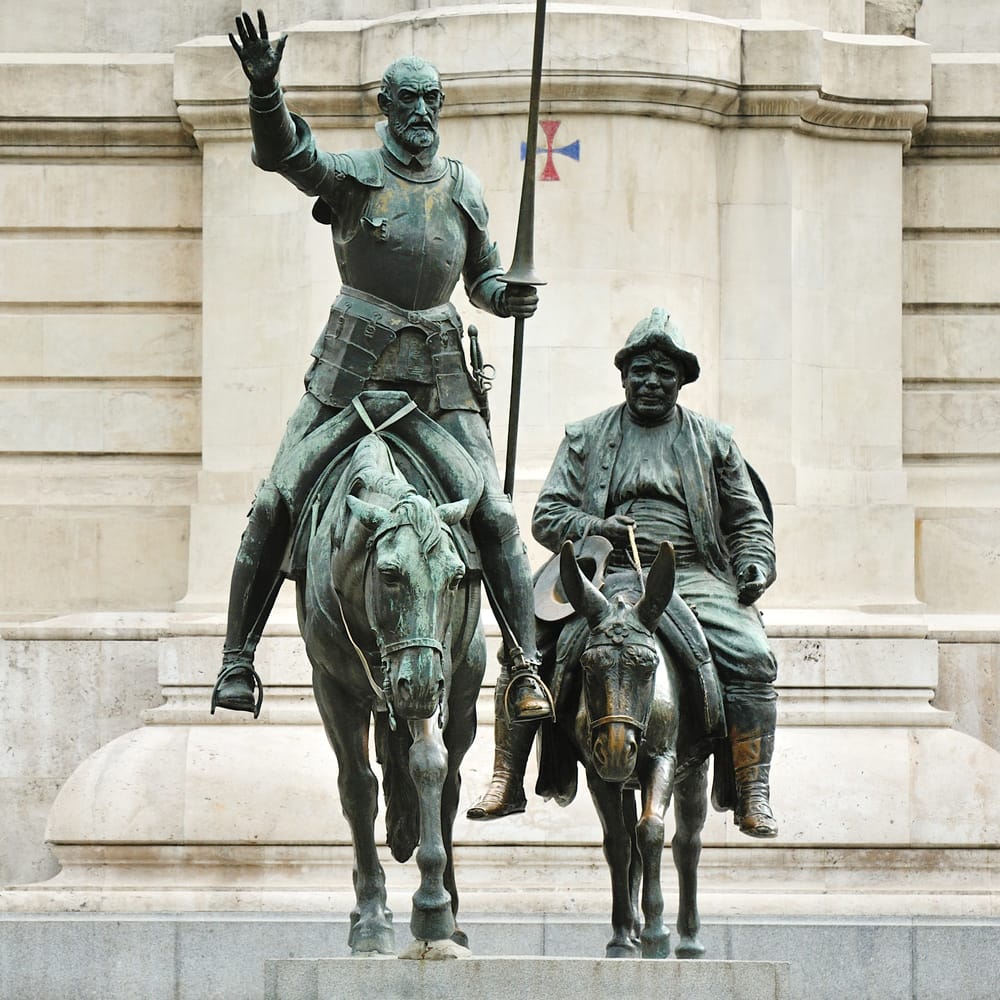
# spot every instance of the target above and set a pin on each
(551, 603)
(658, 333)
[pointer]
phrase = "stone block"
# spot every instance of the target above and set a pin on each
(965, 84)
(101, 345)
(96, 418)
(138, 195)
(958, 26)
(969, 686)
(959, 948)
(959, 421)
(964, 195)
(876, 67)
(501, 979)
(136, 269)
(958, 559)
(950, 346)
(950, 271)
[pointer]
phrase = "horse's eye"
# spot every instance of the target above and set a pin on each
(390, 575)
(456, 579)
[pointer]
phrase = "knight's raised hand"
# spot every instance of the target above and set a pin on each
(259, 57)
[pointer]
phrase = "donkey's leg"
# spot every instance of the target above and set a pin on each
(657, 785)
(690, 809)
(617, 851)
(631, 821)
(432, 918)
(346, 725)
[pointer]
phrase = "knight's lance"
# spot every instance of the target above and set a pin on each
(522, 268)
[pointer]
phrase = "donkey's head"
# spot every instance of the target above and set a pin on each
(412, 573)
(619, 661)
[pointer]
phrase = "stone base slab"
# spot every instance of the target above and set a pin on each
(507, 978)
(191, 956)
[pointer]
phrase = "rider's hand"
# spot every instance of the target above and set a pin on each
(520, 300)
(751, 584)
(260, 59)
(615, 528)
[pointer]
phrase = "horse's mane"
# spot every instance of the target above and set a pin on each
(372, 470)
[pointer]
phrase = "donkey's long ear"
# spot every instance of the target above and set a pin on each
(369, 515)
(659, 587)
(582, 594)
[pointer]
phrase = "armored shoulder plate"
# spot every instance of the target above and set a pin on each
(363, 165)
(467, 193)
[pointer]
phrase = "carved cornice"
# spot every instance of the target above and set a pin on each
(601, 60)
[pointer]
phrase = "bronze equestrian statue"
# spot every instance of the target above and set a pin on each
(655, 470)
(406, 224)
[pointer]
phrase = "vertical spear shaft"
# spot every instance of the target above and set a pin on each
(522, 267)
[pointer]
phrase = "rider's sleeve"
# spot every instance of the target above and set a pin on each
(284, 143)
(560, 511)
(744, 524)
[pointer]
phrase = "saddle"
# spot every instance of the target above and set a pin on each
(428, 456)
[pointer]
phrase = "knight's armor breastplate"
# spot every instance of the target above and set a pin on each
(410, 244)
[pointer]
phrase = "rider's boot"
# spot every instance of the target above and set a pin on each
(512, 744)
(254, 588)
(751, 737)
(508, 573)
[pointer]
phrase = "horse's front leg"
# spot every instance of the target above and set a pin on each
(617, 851)
(690, 810)
(432, 918)
(346, 725)
(657, 784)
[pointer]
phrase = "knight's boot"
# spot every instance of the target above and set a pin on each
(751, 737)
(512, 744)
(508, 573)
(254, 588)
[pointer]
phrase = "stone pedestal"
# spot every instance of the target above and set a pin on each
(507, 978)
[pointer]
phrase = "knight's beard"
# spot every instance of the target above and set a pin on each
(414, 137)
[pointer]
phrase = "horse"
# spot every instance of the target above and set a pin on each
(629, 730)
(390, 619)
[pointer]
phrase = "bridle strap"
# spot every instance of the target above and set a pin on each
(417, 642)
(626, 719)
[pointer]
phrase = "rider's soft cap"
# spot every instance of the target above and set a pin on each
(658, 333)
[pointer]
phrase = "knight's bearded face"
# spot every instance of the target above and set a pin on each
(414, 104)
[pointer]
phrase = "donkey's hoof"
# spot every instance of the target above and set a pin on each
(689, 947)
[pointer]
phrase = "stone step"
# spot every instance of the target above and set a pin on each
(507, 978)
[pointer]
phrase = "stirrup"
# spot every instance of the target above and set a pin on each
(529, 669)
(225, 674)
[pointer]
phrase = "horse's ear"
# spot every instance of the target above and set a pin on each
(369, 515)
(452, 513)
(582, 594)
(659, 587)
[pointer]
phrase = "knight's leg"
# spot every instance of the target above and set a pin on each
(257, 573)
(512, 744)
(254, 588)
(507, 572)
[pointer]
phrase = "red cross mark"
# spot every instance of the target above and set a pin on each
(549, 172)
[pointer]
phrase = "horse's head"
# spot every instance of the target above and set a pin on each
(412, 573)
(619, 661)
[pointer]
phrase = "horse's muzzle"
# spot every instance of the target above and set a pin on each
(417, 684)
(615, 749)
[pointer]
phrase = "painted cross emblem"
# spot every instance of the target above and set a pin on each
(549, 173)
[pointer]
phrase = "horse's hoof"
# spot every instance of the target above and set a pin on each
(689, 948)
(434, 922)
(460, 937)
(655, 945)
(370, 937)
(616, 949)
(434, 950)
